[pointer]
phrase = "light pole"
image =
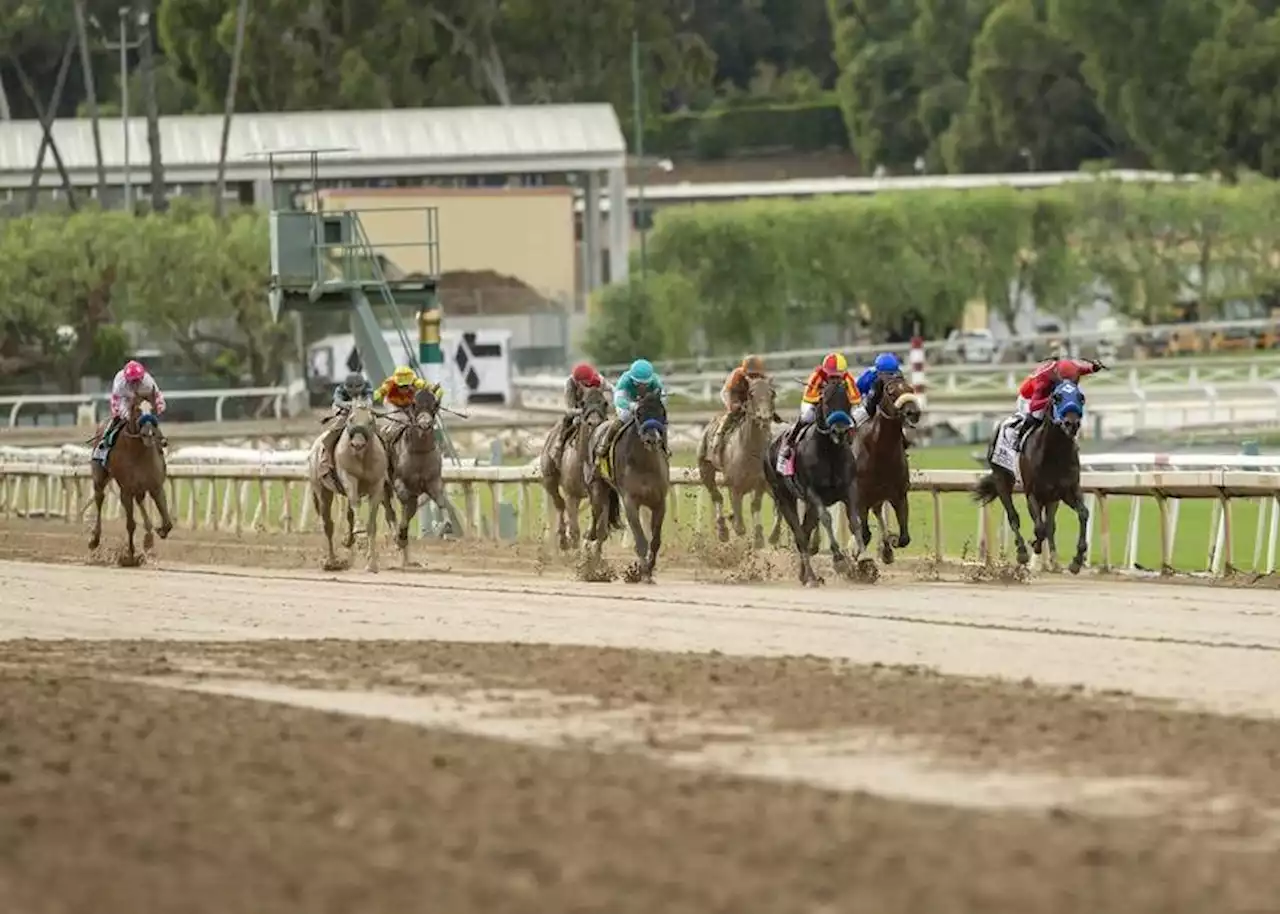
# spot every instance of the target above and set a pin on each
(638, 145)
(124, 46)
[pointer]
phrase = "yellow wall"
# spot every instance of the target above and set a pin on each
(525, 232)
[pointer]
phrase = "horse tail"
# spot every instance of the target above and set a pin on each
(987, 490)
(615, 510)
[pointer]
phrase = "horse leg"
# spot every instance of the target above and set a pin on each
(1036, 510)
(776, 533)
(408, 508)
(551, 484)
(388, 501)
(148, 533)
(707, 472)
(161, 499)
(735, 501)
(632, 510)
(757, 507)
(1075, 501)
(1004, 484)
(99, 494)
(902, 511)
(804, 542)
(1051, 532)
(130, 558)
(864, 524)
(838, 559)
(573, 532)
(657, 513)
(371, 560)
(322, 498)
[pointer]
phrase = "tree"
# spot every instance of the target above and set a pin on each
(146, 51)
(91, 95)
(1028, 107)
(1137, 58)
(220, 190)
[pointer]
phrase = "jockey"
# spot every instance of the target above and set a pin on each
(1035, 390)
(633, 384)
(354, 387)
(131, 384)
(734, 396)
(886, 363)
(833, 366)
(399, 389)
(583, 377)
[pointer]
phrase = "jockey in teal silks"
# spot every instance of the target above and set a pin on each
(634, 383)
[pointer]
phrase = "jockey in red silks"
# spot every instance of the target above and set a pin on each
(131, 384)
(1034, 392)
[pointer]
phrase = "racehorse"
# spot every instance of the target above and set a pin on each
(136, 462)
(637, 475)
(562, 469)
(416, 466)
(824, 474)
(1050, 471)
(880, 452)
(359, 471)
(740, 459)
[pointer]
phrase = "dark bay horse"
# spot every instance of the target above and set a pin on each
(824, 475)
(637, 475)
(880, 451)
(136, 462)
(562, 469)
(1050, 471)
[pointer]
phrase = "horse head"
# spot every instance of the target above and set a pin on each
(360, 426)
(142, 423)
(425, 400)
(899, 401)
(834, 406)
(1066, 407)
(651, 418)
(595, 408)
(762, 401)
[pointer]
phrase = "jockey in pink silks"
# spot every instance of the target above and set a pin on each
(131, 384)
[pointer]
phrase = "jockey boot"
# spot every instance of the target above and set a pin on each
(1029, 424)
(566, 430)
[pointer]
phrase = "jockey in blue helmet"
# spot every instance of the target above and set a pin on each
(632, 384)
(886, 363)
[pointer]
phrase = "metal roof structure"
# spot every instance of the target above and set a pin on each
(691, 192)
(383, 143)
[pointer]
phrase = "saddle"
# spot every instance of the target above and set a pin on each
(603, 455)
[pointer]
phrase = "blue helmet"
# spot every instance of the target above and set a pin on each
(642, 371)
(887, 362)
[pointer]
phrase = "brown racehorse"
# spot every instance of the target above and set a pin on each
(562, 468)
(739, 457)
(136, 463)
(881, 451)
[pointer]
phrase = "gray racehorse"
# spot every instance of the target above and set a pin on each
(359, 472)
(416, 465)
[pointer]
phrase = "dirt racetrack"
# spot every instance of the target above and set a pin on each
(203, 737)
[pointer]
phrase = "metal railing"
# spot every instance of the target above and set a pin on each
(280, 397)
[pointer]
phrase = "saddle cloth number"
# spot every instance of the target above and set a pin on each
(1003, 455)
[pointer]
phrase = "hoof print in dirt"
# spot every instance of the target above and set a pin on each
(998, 573)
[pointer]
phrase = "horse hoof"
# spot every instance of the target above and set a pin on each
(815, 581)
(128, 560)
(886, 555)
(1075, 567)
(163, 532)
(148, 541)
(1023, 556)
(334, 565)
(722, 532)
(94, 542)
(903, 542)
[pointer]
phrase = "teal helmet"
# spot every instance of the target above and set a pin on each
(642, 371)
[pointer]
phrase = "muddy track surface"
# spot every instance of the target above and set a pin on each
(202, 737)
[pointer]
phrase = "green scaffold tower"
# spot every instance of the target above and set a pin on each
(322, 261)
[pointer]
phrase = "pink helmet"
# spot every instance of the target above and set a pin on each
(133, 371)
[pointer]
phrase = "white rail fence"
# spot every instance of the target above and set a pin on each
(272, 494)
(285, 400)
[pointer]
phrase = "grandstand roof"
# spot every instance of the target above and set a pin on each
(383, 143)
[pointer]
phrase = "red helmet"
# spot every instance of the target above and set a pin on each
(834, 365)
(1067, 370)
(586, 375)
(133, 371)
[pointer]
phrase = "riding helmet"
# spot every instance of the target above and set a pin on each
(753, 365)
(834, 364)
(354, 382)
(586, 375)
(133, 371)
(403, 375)
(887, 362)
(642, 371)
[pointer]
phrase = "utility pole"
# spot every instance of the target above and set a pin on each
(124, 46)
(638, 144)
